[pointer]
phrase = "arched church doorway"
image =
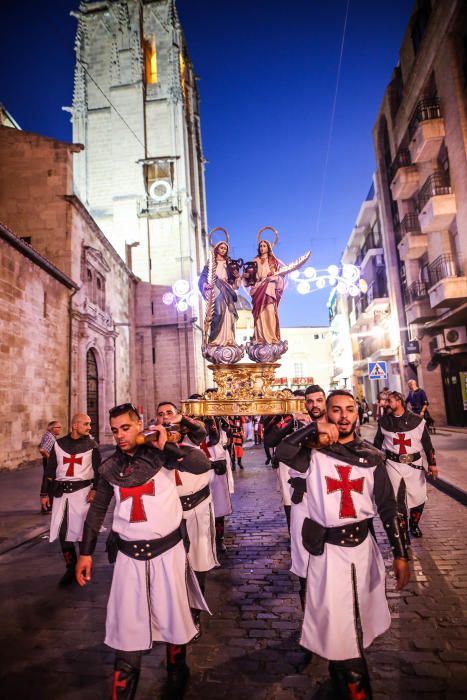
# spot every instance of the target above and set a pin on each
(92, 393)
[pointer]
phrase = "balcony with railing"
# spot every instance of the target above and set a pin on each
(372, 242)
(403, 175)
(412, 243)
(417, 303)
(377, 293)
(436, 203)
(448, 284)
(147, 207)
(426, 130)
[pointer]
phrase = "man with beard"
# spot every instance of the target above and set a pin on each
(347, 484)
(70, 479)
(195, 497)
(397, 431)
(153, 586)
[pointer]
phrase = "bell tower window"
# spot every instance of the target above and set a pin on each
(150, 60)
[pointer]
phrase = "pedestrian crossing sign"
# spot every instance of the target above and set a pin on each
(378, 370)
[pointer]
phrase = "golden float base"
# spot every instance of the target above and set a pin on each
(246, 390)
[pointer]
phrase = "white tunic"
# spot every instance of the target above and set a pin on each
(340, 494)
(199, 520)
(77, 467)
(220, 484)
(402, 443)
(150, 601)
(298, 512)
(283, 485)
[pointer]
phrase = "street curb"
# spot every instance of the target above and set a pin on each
(21, 540)
(450, 490)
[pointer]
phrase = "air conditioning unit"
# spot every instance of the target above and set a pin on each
(455, 336)
(437, 344)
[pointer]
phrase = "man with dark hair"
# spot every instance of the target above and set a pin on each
(195, 497)
(70, 479)
(403, 436)
(46, 444)
(416, 398)
(153, 585)
(347, 484)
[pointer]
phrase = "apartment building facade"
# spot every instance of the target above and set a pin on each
(420, 140)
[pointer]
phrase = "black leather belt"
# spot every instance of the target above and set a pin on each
(149, 549)
(315, 536)
(405, 459)
(194, 499)
(61, 487)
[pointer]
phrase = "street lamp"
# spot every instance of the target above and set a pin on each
(182, 296)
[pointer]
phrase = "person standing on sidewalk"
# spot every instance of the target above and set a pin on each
(403, 436)
(153, 586)
(54, 428)
(416, 398)
(347, 485)
(71, 478)
(195, 497)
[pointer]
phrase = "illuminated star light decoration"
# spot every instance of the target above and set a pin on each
(182, 296)
(345, 278)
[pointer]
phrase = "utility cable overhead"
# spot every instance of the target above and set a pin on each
(83, 65)
(331, 125)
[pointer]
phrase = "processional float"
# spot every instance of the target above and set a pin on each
(244, 388)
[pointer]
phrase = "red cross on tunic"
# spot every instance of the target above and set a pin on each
(117, 684)
(137, 513)
(402, 442)
(71, 461)
(346, 485)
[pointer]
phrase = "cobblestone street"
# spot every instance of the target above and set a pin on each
(51, 639)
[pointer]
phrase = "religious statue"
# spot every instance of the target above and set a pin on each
(264, 278)
(218, 284)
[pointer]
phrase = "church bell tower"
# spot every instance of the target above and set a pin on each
(141, 173)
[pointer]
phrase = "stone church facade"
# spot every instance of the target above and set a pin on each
(93, 346)
(141, 172)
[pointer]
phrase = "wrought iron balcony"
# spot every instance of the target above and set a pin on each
(436, 184)
(427, 109)
(403, 159)
(443, 267)
(416, 292)
(376, 290)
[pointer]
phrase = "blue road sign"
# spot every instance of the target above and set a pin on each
(378, 370)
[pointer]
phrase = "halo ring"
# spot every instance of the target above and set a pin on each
(218, 228)
(269, 228)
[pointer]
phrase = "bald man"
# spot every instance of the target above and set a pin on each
(71, 478)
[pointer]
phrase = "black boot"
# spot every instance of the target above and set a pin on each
(178, 673)
(125, 681)
(415, 515)
(221, 548)
(69, 554)
(351, 679)
(240, 463)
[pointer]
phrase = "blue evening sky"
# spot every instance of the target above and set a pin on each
(267, 80)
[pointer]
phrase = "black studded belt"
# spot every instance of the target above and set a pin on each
(194, 499)
(405, 459)
(61, 487)
(148, 549)
(315, 536)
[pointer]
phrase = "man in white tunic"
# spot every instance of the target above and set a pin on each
(347, 485)
(153, 586)
(403, 436)
(70, 481)
(195, 497)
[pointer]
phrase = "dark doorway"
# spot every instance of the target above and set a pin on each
(92, 383)
(454, 373)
